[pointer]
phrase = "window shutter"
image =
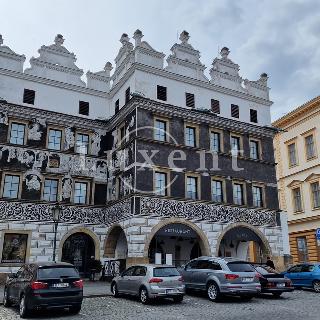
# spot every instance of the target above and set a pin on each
(28, 96)
(116, 106)
(189, 100)
(234, 111)
(215, 106)
(84, 108)
(162, 93)
(253, 116)
(127, 95)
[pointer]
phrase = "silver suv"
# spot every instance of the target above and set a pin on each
(221, 276)
(149, 282)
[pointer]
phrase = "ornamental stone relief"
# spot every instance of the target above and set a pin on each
(34, 132)
(4, 118)
(69, 138)
(200, 211)
(96, 140)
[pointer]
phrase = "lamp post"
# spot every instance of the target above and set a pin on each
(56, 211)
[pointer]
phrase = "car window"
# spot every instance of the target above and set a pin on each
(307, 268)
(204, 264)
(192, 265)
(165, 272)
(139, 271)
(214, 266)
(128, 272)
(295, 269)
(240, 267)
(57, 272)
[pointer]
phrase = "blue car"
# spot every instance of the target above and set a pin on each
(305, 275)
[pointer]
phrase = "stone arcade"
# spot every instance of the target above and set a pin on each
(103, 150)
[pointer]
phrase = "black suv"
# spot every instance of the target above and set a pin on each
(44, 286)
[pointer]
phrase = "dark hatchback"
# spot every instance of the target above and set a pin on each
(273, 282)
(44, 286)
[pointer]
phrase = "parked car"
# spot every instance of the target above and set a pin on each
(149, 282)
(273, 282)
(221, 276)
(305, 275)
(44, 286)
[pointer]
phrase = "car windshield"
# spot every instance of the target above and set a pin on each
(240, 267)
(57, 272)
(165, 272)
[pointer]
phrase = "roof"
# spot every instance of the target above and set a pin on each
(297, 112)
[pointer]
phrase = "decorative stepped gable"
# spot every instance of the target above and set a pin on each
(185, 60)
(145, 54)
(124, 59)
(10, 60)
(57, 63)
(100, 80)
(225, 73)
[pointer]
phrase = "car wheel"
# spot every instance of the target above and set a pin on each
(144, 298)
(277, 294)
(75, 309)
(6, 299)
(213, 292)
(114, 290)
(178, 299)
(316, 286)
(23, 310)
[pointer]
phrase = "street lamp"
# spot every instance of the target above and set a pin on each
(56, 212)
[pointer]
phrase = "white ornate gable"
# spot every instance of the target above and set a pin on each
(9, 59)
(57, 63)
(185, 60)
(100, 80)
(145, 54)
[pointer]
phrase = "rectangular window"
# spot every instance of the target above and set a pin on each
(17, 133)
(234, 111)
(28, 96)
(215, 106)
(11, 186)
(254, 150)
(84, 108)
(82, 143)
(50, 190)
(238, 197)
(253, 116)
(160, 183)
(235, 145)
(192, 187)
(257, 195)
(217, 191)
(116, 106)
(292, 154)
(302, 247)
(190, 100)
(54, 139)
(162, 93)
(315, 189)
(127, 95)
(122, 134)
(309, 141)
(80, 192)
(160, 132)
(215, 141)
(297, 200)
(190, 136)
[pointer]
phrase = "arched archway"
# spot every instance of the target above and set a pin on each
(116, 245)
(178, 238)
(77, 247)
(243, 241)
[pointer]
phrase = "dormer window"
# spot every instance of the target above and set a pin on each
(127, 95)
(116, 106)
(253, 116)
(162, 93)
(215, 106)
(29, 96)
(84, 108)
(190, 100)
(234, 111)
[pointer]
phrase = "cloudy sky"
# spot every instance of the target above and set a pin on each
(279, 37)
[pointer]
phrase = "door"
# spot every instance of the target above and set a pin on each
(293, 274)
(138, 276)
(201, 273)
(188, 273)
(123, 281)
(306, 275)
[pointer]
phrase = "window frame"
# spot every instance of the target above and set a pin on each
(305, 135)
(259, 153)
(58, 179)
(88, 190)
(166, 172)
(198, 185)
(263, 196)
(34, 96)
(25, 137)
(11, 173)
(223, 189)
(61, 140)
(84, 133)
(244, 192)
(235, 135)
(188, 95)
(220, 132)
(232, 106)
(216, 105)
(293, 198)
(159, 87)
(256, 115)
(312, 195)
(288, 144)
(84, 104)
(196, 132)
(166, 122)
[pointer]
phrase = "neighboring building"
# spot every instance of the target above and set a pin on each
(297, 152)
(127, 157)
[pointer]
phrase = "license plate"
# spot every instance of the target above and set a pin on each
(60, 285)
(247, 279)
(281, 285)
(171, 291)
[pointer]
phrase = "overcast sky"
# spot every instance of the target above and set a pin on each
(279, 37)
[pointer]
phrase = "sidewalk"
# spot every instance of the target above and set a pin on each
(90, 289)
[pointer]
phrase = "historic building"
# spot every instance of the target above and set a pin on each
(297, 148)
(147, 163)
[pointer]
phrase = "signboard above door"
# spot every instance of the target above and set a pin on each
(178, 230)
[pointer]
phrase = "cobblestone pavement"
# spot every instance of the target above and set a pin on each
(300, 305)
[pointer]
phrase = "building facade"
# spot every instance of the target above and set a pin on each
(149, 163)
(297, 148)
